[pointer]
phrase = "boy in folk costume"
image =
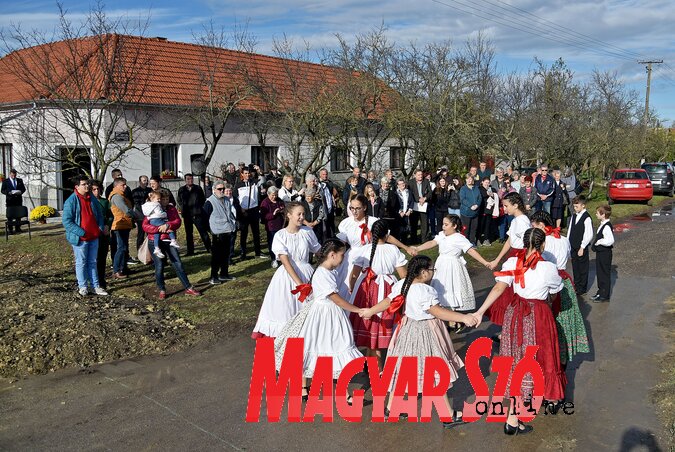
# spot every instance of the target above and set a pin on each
(580, 235)
(603, 244)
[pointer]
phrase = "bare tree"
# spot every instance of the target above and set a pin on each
(222, 85)
(87, 82)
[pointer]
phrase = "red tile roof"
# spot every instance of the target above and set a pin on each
(169, 72)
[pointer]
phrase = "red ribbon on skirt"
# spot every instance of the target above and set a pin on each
(304, 290)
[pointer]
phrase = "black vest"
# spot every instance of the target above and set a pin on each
(599, 235)
(577, 230)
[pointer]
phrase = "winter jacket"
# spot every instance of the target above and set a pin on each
(71, 218)
(469, 197)
(122, 210)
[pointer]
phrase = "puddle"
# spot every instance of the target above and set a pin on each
(641, 217)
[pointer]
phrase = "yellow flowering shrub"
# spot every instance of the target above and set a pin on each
(41, 212)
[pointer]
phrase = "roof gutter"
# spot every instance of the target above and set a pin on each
(17, 115)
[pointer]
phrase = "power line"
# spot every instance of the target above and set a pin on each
(517, 26)
(562, 28)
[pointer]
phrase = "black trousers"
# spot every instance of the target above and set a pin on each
(196, 220)
(485, 228)
(471, 225)
(328, 226)
(141, 234)
(250, 218)
(603, 269)
(101, 258)
(580, 270)
(422, 219)
(220, 255)
(270, 239)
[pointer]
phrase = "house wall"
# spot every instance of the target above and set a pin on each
(235, 146)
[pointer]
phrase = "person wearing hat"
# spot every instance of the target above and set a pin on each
(13, 189)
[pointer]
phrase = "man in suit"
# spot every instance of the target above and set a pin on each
(190, 202)
(360, 182)
(327, 193)
(13, 189)
(420, 189)
(248, 195)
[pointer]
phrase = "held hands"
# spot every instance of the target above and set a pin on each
(365, 313)
(469, 320)
(478, 317)
(492, 264)
(412, 250)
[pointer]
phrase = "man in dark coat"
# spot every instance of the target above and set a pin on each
(190, 202)
(13, 189)
(420, 189)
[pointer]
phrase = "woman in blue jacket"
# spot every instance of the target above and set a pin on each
(470, 199)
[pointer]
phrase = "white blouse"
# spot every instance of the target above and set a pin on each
(557, 251)
(387, 258)
(350, 230)
(296, 246)
(453, 245)
(420, 298)
(519, 225)
(287, 195)
(539, 282)
(324, 283)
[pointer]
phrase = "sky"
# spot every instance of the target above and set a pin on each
(608, 35)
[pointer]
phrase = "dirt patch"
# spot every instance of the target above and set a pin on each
(45, 325)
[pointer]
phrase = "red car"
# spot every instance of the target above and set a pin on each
(630, 185)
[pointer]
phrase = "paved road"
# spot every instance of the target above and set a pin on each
(197, 399)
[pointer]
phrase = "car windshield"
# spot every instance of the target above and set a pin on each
(630, 175)
(654, 168)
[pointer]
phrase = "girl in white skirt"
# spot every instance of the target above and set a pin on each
(323, 322)
(371, 281)
(292, 246)
(451, 279)
(356, 231)
(421, 332)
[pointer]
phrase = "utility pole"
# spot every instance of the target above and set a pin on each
(649, 80)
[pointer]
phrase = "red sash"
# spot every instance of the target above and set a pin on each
(304, 290)
(523, 264)
(521, 308)
(550, 230)
(370, 277)
(395, 308)
(366, 236)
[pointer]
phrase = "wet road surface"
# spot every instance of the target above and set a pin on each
(197, 399)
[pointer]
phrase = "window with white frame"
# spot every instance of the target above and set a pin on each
(5, 159)
(339, 158)
(264, 156)
(164, 159)
(396, 157)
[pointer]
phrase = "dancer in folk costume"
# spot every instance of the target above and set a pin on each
(451, 278)
(371, 281)
(421, 332)
(571, 330)
(292, 246)
(513, 205)
(529, 321)
(322, 322)
(356, 231)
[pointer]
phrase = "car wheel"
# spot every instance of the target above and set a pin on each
(650, 202)
(670, 194)
(610, 201)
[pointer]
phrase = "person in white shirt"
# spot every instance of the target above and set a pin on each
(529, 321)
(421, 331)
(603, 244)
(287, 193)
(580, 235)
(572, 336)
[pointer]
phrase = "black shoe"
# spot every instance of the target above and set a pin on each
(456, 420)
(215, 281)
(190, 253)
(306, 396)
(402, 416)
(460, 328)
(595, 297)
(521, 429)
(580, 293)
(243, 257)
(600, 300)
(226, 278)
(496, 338)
